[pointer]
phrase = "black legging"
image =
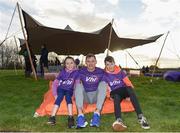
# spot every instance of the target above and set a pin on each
(121, 93)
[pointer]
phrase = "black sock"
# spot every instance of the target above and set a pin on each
(140, 116)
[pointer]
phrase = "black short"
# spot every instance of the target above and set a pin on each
(122, 92)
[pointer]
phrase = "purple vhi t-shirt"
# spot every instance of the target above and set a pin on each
(90, 80)
(67, 79)
(115, 81)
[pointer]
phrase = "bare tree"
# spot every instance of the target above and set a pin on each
(9, 55)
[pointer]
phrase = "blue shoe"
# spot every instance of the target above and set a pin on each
(81, 122)
(95, 121)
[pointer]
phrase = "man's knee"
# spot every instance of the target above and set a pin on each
(78, 88)
(79, 97)
(102, 86)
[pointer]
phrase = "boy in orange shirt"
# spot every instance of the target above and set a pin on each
(120, 88)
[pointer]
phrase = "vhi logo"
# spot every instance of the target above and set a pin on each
(67, 82)
(115, 82)
(91, 78)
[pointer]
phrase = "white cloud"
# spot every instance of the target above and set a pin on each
(163, 16)
(113, 2)
(77, 13)
(165, 13)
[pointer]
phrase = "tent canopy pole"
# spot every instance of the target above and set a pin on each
(26, 42)
(9, 26)
(133, 59)
(110, 34)
(159, 56)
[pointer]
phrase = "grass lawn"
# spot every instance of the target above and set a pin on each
(20, 96)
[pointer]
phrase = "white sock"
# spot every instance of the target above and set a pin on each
(97, 113)
(81, 115)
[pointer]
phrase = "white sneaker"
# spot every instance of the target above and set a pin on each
(144, 123)
(118, 125)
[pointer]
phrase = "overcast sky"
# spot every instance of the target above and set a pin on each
(133, 18)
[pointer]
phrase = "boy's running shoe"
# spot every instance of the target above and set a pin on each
(144, 123)
(118, 125)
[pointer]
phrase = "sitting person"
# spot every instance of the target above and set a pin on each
(90, 90)
(120, 88)
(66, 80)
